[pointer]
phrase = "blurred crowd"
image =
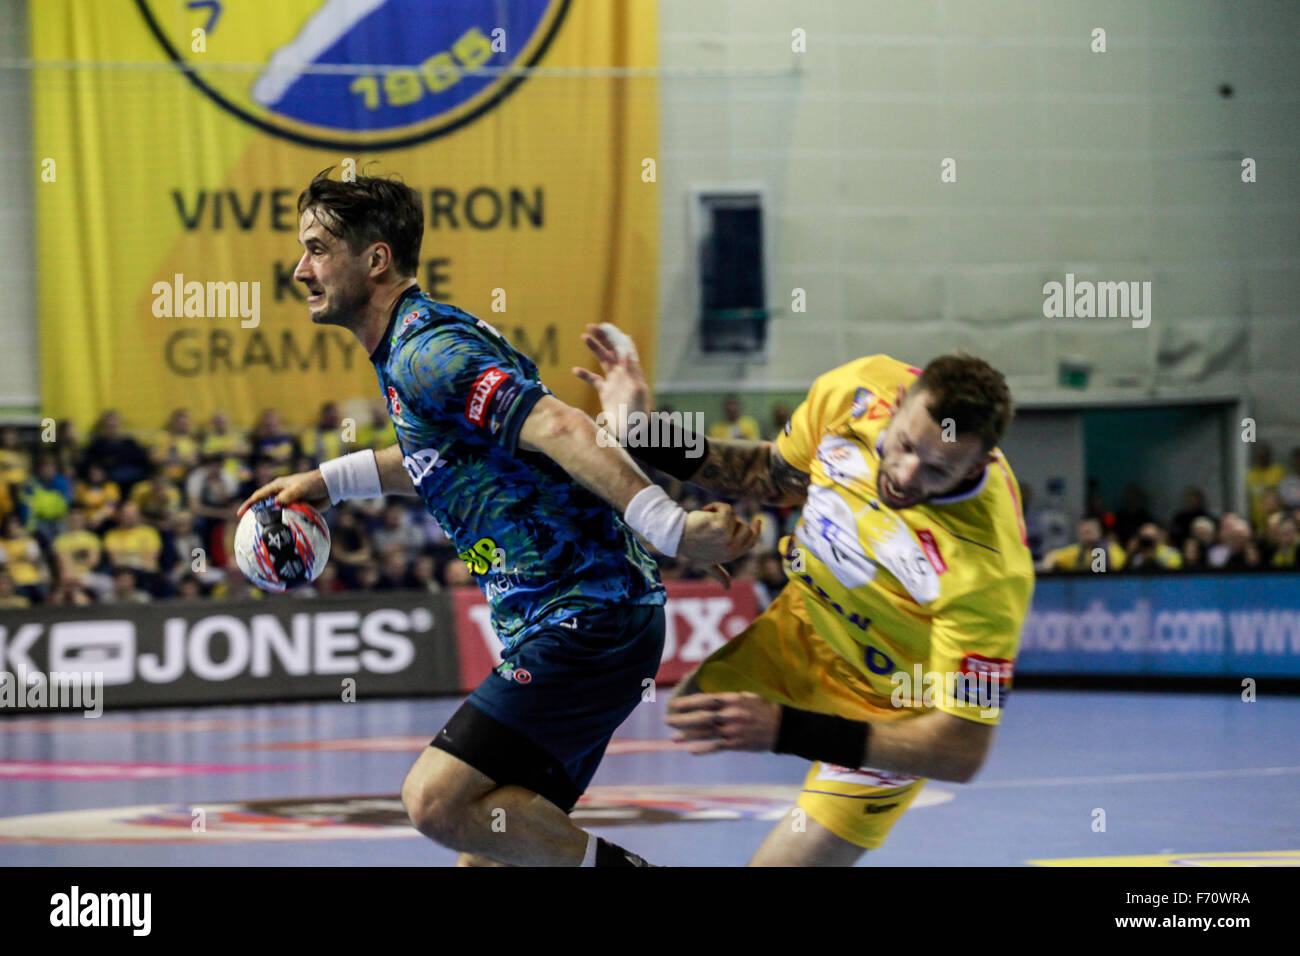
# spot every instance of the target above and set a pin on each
(130, 517)
(1127, 536)
(116, 517)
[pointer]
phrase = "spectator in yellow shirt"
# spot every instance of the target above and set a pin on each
(175, 449)
(158, 499)
(229, 444)
(1081, 556)
(1283, 541)
(133, 544)
(78, 549)
(1262, 476)
(7, 502)
(99, 496)
(735, 425)
(1149, 551)
(21, 555)
(15, 460)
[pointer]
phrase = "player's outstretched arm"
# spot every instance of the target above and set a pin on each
(569, 438)
(752, 470)
(711, 535)
(938, 746)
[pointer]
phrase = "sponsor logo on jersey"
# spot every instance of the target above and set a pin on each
(829, 531)
(896, 549)
(483, 556)
(992, 675)
(422, 464)
(481, 393)
(501, 403)
(510, 672)
(394, 405)
(861, 402)
(842, 460)
(931, 549)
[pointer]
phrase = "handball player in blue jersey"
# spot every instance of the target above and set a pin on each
(541, 511)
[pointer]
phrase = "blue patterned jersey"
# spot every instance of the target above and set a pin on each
(541, 546)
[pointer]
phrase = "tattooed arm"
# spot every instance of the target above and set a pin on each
(753, 470)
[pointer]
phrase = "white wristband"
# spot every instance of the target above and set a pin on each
(352, 476)
(657, 518)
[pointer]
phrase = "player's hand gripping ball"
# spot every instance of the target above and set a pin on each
(280, 549)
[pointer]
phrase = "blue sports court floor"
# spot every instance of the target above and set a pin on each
(1183, 779)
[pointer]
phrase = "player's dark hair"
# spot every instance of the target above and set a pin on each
(969, 391)
(369, 209)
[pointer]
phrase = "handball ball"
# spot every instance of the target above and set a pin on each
(280, 549)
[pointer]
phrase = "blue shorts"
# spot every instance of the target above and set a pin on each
(543, 718)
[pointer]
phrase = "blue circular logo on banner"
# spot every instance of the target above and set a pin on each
(368, 74)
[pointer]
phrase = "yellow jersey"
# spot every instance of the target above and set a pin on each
(79, 551)
(99, 500)
(175, 454)
(22, 558)
(136, 548)
(15, 466)
(927, 602)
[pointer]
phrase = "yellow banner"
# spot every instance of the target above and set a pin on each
(172, 138)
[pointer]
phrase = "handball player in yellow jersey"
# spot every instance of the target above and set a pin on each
(888, 656)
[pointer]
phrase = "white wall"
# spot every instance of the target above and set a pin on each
(1114, 166)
